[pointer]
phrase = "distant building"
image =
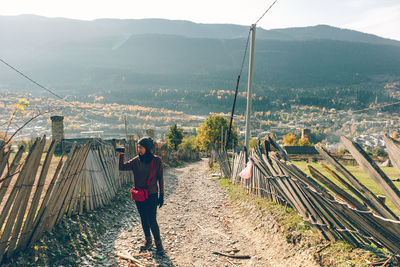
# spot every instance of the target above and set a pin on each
(300, 150)
(150, 133)
(92, 134)
(306, 133)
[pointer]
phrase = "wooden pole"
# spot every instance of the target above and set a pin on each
(249, 85)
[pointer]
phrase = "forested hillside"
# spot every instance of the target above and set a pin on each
(131, 60)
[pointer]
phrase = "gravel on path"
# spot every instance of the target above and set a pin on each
(197, 220)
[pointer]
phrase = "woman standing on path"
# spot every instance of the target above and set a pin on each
(143, 166)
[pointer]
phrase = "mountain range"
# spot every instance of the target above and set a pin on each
(126, 57)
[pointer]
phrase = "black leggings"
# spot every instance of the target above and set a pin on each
(148, 215)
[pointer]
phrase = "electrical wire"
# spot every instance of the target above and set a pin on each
(266, 11)
(48, 90)
(241, 69)
(33, 81)
(245, 52)
(375, 107)
(237, 85)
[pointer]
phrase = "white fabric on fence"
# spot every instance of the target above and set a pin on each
(246, 172)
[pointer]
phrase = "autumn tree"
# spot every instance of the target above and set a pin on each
(210, 132)
(272, 136)
(252, 143)
(189, 144)
(174, 137)
(290, 140)
(303, 141)
(343, 150)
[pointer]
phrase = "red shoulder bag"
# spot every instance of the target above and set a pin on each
(139, 194)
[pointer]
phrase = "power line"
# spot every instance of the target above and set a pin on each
(375, 107)
(46, 89)
(266, 11)
(241, 69)
(237, 85)
(245, 52)
(33, 81)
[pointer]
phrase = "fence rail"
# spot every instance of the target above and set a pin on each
(84, 180)
(359, 217)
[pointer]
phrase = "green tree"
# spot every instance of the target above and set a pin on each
(378, 151)
(210, 132)
(174, 137)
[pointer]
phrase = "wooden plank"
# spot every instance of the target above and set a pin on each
(109, 180)
(346, 184)
(62, 187)
(47, 213)
(300, 177)
(39, 219)
(336, 189)
(83, 191)
(298, 205)
(320, 214)
(340, 221)
(71, 209)
(370, 199)
(28, 224)
(388, 231)
(375, 230)
(24, 196)
(17, 185)
(69, 186)
(74, 180)
(278, 147)
(88, 192)
(393, 149)
(13, 168)
(328, 216)
(15, 195)
(297, 173)
(391, 191)
(4, 160)
(106, 180)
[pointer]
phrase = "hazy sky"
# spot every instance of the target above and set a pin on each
(380, 17)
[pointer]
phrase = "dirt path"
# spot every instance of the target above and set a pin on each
(196, 221)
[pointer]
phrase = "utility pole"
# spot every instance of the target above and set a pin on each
(249, 84)
(222, 138)
(126, 128)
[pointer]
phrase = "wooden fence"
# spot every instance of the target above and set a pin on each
(32, 201)
(359, 217)
(223, 160)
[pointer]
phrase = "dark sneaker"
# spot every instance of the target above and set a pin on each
(159, 247)
(146, 245)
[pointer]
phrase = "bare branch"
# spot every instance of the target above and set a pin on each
(28, 121)
(9, 124)
(9, 176)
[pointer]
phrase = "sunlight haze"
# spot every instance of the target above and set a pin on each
(371, 16)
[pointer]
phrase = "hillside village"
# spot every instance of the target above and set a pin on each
(96, 119)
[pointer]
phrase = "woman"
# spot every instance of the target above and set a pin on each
(141, 167)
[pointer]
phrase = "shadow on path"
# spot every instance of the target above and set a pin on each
(90, 239)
